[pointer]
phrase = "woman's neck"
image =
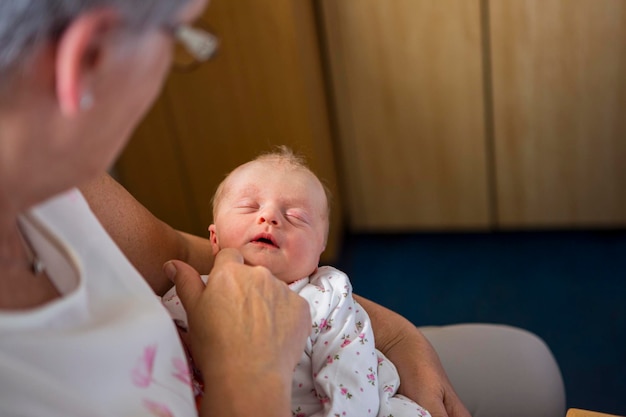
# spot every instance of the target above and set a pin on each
(21, 285)
(12, 252)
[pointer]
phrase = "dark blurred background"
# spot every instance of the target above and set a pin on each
(569, 288)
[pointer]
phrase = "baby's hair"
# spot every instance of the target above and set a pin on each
(282, 155)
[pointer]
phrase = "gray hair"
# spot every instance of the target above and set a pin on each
(26, 25)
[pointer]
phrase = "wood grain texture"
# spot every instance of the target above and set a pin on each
(575, 412)
(408, 97)
(559, 82)
(152, 171)
(264, 88)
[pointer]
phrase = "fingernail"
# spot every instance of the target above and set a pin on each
(170, 270)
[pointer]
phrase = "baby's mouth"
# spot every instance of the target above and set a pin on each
(265, 239)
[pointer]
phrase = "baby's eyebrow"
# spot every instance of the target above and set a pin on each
(296, 203)
(248, 191)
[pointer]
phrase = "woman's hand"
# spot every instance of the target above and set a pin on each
(247, 333)
(422, 377)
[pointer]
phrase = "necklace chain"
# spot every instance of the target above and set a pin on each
(35, 264)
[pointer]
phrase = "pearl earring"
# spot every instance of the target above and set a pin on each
(86, 101)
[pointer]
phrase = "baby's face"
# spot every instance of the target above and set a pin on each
(276, 215)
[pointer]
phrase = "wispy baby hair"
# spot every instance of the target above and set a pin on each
(281, 154)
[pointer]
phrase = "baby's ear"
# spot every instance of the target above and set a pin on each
(214, 240)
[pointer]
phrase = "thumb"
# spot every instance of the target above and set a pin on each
(189, 285)
(226, 256)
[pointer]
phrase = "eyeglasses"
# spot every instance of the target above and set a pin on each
(193, 45)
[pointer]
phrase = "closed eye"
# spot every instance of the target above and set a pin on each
(297, 217)
(246, 206)
(245, 210)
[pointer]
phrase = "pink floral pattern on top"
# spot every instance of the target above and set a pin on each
(142, 376)
(341, 373)
(182, 371)
(142, 372)
(157, 409)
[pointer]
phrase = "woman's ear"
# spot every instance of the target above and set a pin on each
(213, 238)
(79, 50)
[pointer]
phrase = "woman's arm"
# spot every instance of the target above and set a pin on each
(422, 377)
(145, 240)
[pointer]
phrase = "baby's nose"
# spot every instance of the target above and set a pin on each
(269, 216)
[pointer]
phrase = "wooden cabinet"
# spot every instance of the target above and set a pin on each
(408, 87)
(559, 106)
(446, 114)
(576, 412)
(264, 88)
(469, 113)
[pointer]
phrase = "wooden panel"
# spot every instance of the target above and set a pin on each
(151, 169)
(264, 88)
(408, 94)
(559, 82)
(575, 412)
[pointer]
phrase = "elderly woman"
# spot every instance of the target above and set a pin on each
(81, 332)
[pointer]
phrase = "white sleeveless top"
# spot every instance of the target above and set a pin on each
(107, 347)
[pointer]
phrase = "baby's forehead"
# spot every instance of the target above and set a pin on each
(255, 172)
(250, 179)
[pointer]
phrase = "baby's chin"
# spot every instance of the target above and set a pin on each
(267, 263)
(275, 264)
